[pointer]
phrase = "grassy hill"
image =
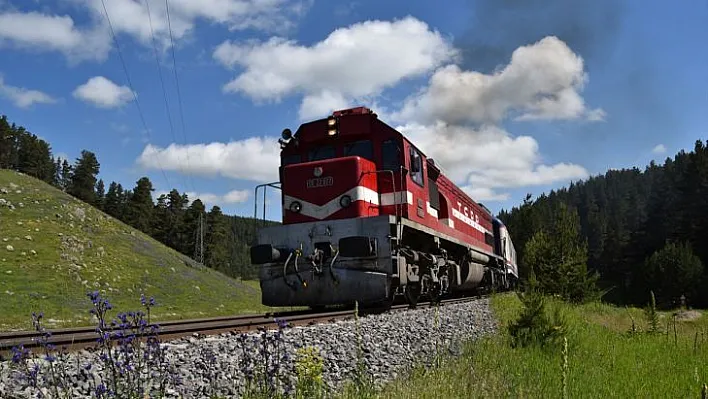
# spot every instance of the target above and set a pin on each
(54, 249)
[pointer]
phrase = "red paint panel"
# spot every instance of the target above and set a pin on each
(336, 177)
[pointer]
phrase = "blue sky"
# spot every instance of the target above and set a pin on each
(509, 99)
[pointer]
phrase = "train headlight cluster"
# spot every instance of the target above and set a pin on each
(345, 201)
(332, 126)
(295, 206)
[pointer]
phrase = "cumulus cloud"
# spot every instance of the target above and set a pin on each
(41, 31)
(457, 117)
(542, 81)
(486, 159)
(659, 149)
(211, 199)
(352, 62)
(23, 97)
(103, 93)
(255, 159)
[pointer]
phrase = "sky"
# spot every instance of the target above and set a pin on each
(508, 97)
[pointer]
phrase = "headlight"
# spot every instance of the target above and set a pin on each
(295, 207)
(345, 201)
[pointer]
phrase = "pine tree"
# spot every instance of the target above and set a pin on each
(66, 171)
(140, 206)
(216, 242)
(100, 195)
(559, 257)
(191, 227)
(113, 203)
(83, 179)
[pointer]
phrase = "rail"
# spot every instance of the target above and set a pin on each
(77, 338)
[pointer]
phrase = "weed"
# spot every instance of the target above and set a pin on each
(651, 315)
(309, 367)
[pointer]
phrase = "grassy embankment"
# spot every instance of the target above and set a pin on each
(54, 249)
(604, 360)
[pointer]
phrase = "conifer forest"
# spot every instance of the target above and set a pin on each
(620, 235)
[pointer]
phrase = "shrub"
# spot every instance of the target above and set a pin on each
(674, 271)
(535, 326)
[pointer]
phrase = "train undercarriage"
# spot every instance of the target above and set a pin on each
(373, 261)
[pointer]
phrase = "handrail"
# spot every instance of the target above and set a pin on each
(395, 204)
(255, 204)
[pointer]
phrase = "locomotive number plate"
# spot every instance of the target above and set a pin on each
(320, 182)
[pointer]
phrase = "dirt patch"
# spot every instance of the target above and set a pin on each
(687, 315)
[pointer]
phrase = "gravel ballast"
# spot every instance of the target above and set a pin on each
(391, 343)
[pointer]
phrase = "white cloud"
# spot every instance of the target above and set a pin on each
(353, 62)
(659, 149)
(38, 31)
(92, 41)
(211, 199)
(23, 97)
(457, 117)
(542, 81)
(103, 93)
(255, 159)
(487, 159)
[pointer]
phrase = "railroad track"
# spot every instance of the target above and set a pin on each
(85, 337)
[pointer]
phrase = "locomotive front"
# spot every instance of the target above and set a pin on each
(333, 246)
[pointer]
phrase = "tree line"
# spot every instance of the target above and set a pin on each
(628, 233)
(171, 218)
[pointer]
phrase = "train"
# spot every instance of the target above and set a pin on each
(368, 218)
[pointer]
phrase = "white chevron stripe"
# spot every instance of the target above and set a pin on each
(358, 193)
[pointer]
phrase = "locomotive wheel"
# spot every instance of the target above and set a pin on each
(412, 293)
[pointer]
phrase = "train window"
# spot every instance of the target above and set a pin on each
(290, 159)
(416, 166)
(320, 153)
(390, 159)
(362, 148)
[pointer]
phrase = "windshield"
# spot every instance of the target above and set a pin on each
(320, 153)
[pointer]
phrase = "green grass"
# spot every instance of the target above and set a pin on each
(63, 248)
(603, 360)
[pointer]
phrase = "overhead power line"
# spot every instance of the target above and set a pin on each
(179, 94)
(162, 83)
(130, 84)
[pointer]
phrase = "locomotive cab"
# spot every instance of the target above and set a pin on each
(334, 168)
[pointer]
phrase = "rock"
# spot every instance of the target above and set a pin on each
(28, 237)
(10, 248)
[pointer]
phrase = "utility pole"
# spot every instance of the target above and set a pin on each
(199, 242)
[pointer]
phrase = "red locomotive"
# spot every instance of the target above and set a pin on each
(366, 216)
